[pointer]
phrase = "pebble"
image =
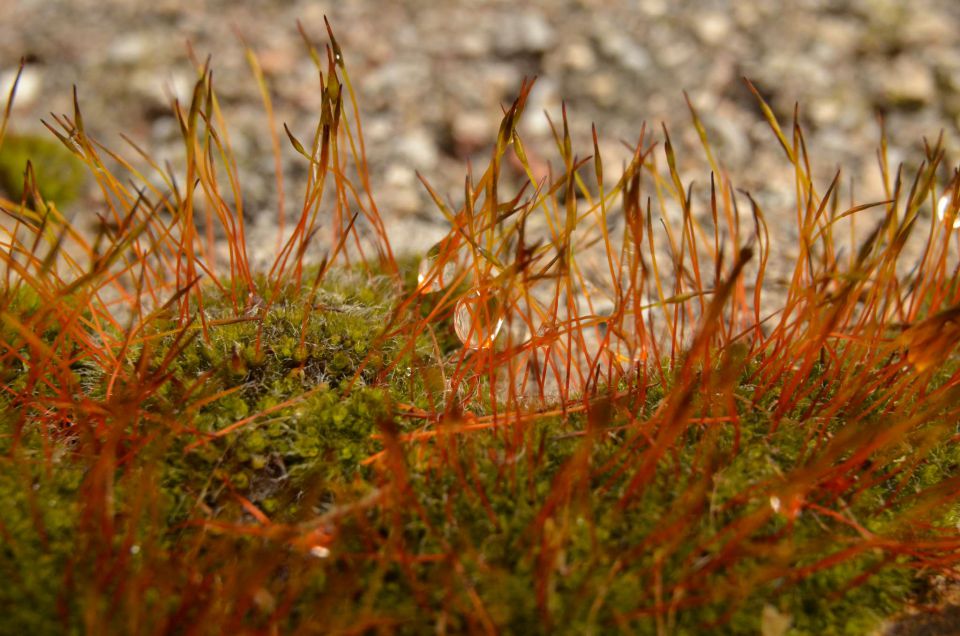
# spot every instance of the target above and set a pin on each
(474, 128)
(907, 83)
(579, 56)
(398, 176)
(28, 88)
(924, 29)
(654, 8)
(418, 148)
(727, 137)
(713, 27)
(473, 44)
(603, 88)
(543, 97)
(630, 54)
(159, 89)
(825, 112)
(130, 48)
(526, 32)
(404, 201)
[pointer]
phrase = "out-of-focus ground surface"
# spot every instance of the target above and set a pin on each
(431, 78)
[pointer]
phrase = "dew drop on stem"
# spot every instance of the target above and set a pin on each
(943, 204)
(438, 269)
(477, 319)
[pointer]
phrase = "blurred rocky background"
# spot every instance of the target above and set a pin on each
(432, 76)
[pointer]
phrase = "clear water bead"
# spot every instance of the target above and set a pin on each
(438, 269)
(942, 204)
(477, 319)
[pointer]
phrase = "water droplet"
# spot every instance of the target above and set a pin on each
(438, 269)
(477, 319)
(548, 331)
(602, 327)
(942, 204)
(254, 305)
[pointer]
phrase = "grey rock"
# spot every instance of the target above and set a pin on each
(907, 82)
(524, 32)
(28, 86)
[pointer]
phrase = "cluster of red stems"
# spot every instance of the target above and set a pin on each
(562, 300)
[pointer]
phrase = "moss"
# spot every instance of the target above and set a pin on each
(60, 175)
(320, 423)
(38, 521)
(501, 558)
(540, 554)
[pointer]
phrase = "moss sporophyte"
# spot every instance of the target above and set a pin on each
(578, 413)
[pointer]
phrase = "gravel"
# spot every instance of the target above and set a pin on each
(432, 78)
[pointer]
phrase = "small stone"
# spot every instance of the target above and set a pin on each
(628, 53)
(825, 111)
(27, 88)
(401, 185)
(473, 44)
(537, 33)
(503, 78)
(543, 98)
(603, 88)
(278, 59)
(378, 129)
(908, 83)
(420, 232)
(948, 78)
(713, 27)
(730, 139)
(130, 48)
(579, 56)
(398, 176)
(528, 32)
(676, 54)
(926, 28)
(160, 90)
(472, 129)
(838, 37)
(746, 14)
(418, 148)
(615, 154)
(654, 8)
